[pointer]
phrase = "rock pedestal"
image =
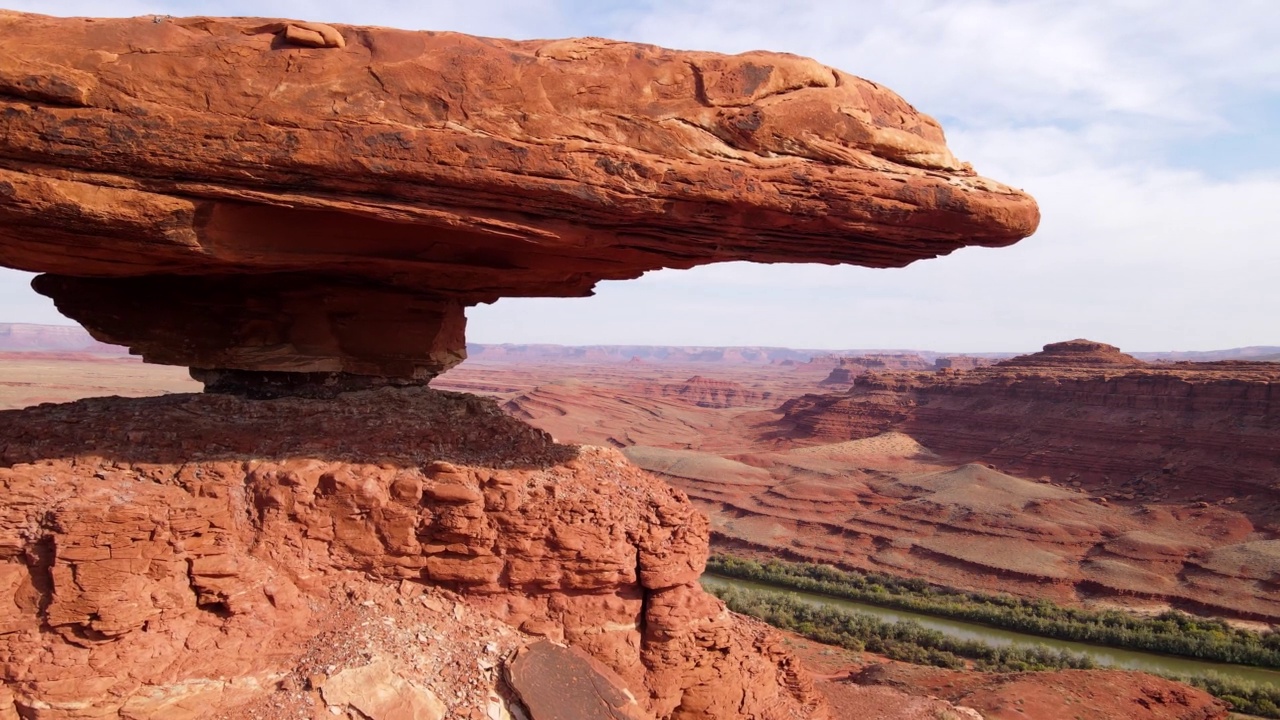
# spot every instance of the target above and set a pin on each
(299, 209)
(292, 324)
(190, 549)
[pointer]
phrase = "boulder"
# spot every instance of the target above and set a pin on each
(556, 682)
(379, 692)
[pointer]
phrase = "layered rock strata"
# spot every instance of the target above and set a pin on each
(1077, 411)
(182, 551)
(1077, 473)
(1010, 696)
(1078, 354)
(707, 393)
(846, 368)
(238, 194)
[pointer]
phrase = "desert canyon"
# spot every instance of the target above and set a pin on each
(306, 505)
(1077, 473)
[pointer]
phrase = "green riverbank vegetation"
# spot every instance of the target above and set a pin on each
(906, 641)
(909, 641)
(1169, 633)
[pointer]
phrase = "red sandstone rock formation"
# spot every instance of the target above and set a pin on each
(182, 552)
(1166, 476)
(1067, 528)
(268, 196)
(1078, 405)
(562, 682)
(1013, 696)
(1077, 353)
(301, 209)
(839, 376)
(708, 393)
(848, 368)
(962, 362)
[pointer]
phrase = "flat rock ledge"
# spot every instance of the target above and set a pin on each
(280, 196)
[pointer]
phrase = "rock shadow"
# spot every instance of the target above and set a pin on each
(393, 426)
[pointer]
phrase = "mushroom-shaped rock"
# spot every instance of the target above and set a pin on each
(277, 196)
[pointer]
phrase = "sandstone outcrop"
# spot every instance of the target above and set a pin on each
(708, 393)
(1010, 696)
(847, 368)
(1074, 354)
(563, 683)
(183, 553)
(300, 213)
(839, 376)
(1149, 485)
(962, 362)
(1075, 472)
(262, 195)
(1078, 407)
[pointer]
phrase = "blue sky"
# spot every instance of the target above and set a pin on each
(1149, 132)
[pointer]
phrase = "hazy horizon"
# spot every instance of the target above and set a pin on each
(1146, 130)
(832, 349)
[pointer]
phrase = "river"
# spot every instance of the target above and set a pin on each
(1104, 656)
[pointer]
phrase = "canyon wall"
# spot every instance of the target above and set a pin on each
(1208, 428)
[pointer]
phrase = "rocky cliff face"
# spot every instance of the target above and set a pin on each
(1077, 474)
(182, 553)
(847, 368)
(1100, 416)
(707, 393)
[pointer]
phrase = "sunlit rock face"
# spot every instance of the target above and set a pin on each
(183, 557)
(268, 196)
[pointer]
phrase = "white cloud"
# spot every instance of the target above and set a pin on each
(1003, 62)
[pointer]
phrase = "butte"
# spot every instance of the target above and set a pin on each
(300, 214)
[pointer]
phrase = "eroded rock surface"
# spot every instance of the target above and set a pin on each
(1132, 479)
(380, 692)
(1142, 484)
(184, 552)
(556, 682)
(1009, 696)
(1078, 354)
(274, 195)
(707, 393)
(847, 368)
(1079, 407)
